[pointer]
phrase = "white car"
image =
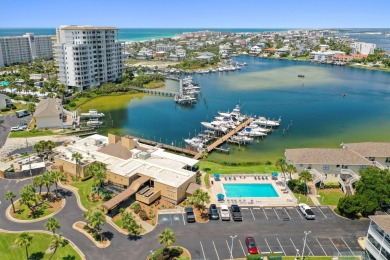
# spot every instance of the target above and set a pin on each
(16, 129)
(225, 214)
(306, 211)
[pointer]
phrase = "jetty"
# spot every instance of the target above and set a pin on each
(164, 146)
(224, 138)
(156, 92)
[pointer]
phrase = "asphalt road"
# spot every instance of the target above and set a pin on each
(9, 121)
(274, 229)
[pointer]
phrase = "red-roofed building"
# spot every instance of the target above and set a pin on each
(269, 50)
(358, 56)
(342, 58)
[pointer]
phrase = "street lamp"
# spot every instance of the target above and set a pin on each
(304, 243)
(231, 248)
(296, 255)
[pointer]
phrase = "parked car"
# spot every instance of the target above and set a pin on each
(22, 113)
(306, 211)
(16, 129)
(213, 212)
(236, 212)
(251, 245)
(190, 216)
(225, 215)
(23, 127)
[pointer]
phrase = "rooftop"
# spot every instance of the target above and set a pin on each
(332, 156)
(370, 149)
(383, 221)
(86, 27)
(48, 107)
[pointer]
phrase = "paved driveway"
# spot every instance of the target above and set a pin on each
(270, 227)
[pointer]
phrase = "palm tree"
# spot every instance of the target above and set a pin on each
(52, 224)
(38, 182)
(27, 197)
(98, 219)
(129, 224)
(47, 181)
(305, 176)
(38, 147)
(49, 145)
(56, 177)
(10, 196)
(56, 242)
(282, 164)
(31, 107)
(24, 239)
(166, 237)
(100, 173)
(199, 198)
(290, 168)
(77, 157)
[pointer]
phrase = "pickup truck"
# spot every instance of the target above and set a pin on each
(236, 212)
(225, 215)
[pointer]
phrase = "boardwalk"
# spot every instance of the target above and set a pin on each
(165, 146)
(156, 92)
(224, 138)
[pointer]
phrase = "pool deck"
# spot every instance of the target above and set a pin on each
(286, 197)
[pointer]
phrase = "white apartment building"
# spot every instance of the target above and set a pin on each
(88, 56)
(378, 237)
(363, 47)
(15, 49)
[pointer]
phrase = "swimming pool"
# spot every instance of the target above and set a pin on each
(248, 190)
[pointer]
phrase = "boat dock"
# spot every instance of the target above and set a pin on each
(156, 92)
(224, 138)
(164, 146)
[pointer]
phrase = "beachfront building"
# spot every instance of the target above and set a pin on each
(88, 56)
(16, 49)
(137, 170)
(340, 164)
(324, 57)
(378, 237)
(363, 47)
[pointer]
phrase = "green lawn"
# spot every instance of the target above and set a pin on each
(330, 196)
(84, 189)
(303, 199)
(19, 106)
(40, 242)
(308, 258)
(24, 213)
(222, 169)
(24, 134)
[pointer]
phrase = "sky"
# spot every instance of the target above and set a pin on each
(196, 13)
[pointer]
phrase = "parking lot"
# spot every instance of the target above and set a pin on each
(275, 229)
(8, 121)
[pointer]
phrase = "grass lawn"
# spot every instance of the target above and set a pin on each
(207, 180)
(24, 213)
(330, 196)
(155, 84)
(23, 134)
(19, 106)
(308, 258)
(303, 199)
(219, 168)
(84, 189)
(40, 242)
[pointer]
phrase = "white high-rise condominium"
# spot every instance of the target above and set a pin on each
(16, 49)
(87, 56)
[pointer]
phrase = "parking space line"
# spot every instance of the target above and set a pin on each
(242, 247)
(252, 214)
(307, 245)
(322, 212)
(201, 246)
(281, 246)
(267, 245)
(299, 213)
(170, 215)
(334, 246)
(256, 208)
(348, 246)
(296, 249)
(321, 247)
(287, 213)
(184, 222)
(215, 250)
(265, 213)
(276, 213)
(229, 249)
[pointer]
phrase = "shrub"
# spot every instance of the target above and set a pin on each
(86, 178)
(135, 206)
(331, 185)
(142, 214)
(254, 257)
(268, 163)
(198, 178)
(5, 109)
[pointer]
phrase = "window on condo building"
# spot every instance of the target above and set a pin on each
(325, 167)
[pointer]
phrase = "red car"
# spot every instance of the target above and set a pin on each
(251, 245)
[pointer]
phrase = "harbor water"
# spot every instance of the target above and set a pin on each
(327, 107)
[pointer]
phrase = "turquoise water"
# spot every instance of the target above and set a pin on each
(263, 190)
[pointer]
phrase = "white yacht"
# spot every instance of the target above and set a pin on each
(215, 125)
(248, 131)
(92, 113)
(262, 121)
(94, 123)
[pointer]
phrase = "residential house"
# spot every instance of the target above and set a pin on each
(144, 54)
(49, 113)
(5, 101)
(255, 50)
(205, 55)
(325, 57)
(378, 238)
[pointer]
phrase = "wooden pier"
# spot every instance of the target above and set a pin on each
(156, 92)
(224, 138)
(164, 146)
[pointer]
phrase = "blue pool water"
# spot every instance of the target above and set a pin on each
(244, 190)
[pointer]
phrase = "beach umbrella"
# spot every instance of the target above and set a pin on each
(220, 196)
(216, 176)
(275, 174)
